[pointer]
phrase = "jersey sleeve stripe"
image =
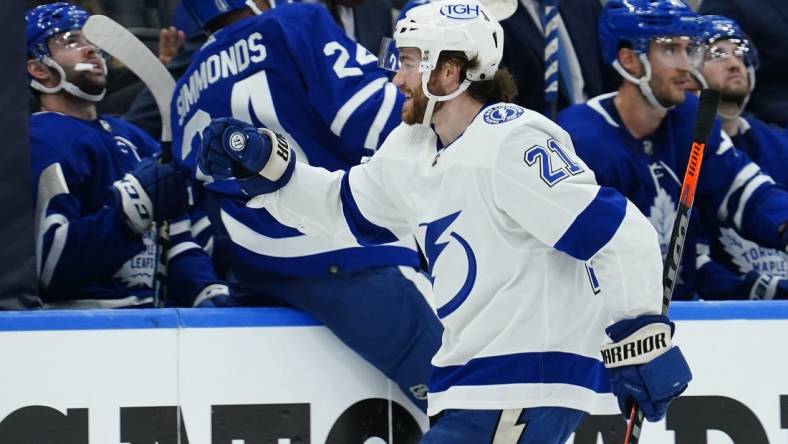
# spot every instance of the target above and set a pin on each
(181, 248)
(51, 183)
(353, 103)
(55, 249)
(524, 368)
(200, 225)
(745, 197)
(593, 228)
(180, 227)
(741, 178)
(366, 232)
(373, 135)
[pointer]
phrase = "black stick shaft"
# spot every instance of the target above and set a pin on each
(704, 121)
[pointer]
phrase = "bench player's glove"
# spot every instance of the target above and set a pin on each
(260, 159)
(643, 365)
(764, 286)
(152, 192)
(215, 295)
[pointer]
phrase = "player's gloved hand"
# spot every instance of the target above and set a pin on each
(643, 365)
(215, 295)
(764, 286)
(152, 192)
(260, 159)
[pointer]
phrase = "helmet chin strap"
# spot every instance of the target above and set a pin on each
(433, 99)
(698, 76)
(65, 84)
(642, 82)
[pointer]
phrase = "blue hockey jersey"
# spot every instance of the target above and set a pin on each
(732, 190)
(728, 256)
(293, 70)
(87, 256)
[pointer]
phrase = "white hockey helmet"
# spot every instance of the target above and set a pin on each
(447, 25)
(453, 25)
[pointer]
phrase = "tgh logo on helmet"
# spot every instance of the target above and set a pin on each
(460, 11)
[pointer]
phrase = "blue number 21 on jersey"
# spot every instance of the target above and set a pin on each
(565, 165)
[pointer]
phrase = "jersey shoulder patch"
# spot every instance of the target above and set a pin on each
(502, 113)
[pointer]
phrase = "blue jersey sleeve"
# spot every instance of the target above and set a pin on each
(736, 192)
(190, 267)
(352, 95)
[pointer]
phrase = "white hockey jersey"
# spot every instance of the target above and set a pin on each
(530, 259)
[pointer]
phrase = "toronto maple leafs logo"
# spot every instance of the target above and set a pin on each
(433, 250)
(748, 256)
(662, 215)
(138, 271)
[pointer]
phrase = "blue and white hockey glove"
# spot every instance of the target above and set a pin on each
(215, 295)
(644, 366)
(260, 159)
(764, 286)
(152, 192)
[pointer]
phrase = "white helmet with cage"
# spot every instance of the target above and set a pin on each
(447, 25)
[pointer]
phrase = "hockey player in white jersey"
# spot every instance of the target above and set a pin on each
(531, 261)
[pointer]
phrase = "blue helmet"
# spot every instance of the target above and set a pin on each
(203, 11)
(45, 21)
(716, 27)
(633, 23)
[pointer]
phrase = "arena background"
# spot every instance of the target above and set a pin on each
(276, 376)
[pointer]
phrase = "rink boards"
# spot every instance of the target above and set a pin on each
(275, 375)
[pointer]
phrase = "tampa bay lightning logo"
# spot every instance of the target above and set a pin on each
(502, 113)
(433, 250)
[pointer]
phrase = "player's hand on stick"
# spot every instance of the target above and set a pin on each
(260, 159)
(152, 192)
(643, 365)
(170, 42)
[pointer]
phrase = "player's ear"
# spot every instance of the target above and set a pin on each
(630, 61)
(39, 71)
(451, 71)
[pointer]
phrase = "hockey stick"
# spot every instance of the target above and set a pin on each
(124, 46)
(709, 100)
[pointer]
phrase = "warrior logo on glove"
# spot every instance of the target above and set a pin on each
(282, 147)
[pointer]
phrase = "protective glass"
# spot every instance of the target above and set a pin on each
(680, 52)
(388, 55)
(71, 40)
(732, 48)
(405, 62)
